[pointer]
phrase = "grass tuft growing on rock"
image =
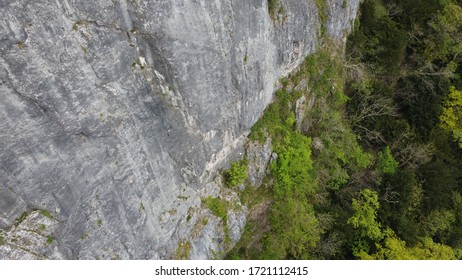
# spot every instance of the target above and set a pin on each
(183, 251)
(50, 239)
(218, 207)
(46, 213)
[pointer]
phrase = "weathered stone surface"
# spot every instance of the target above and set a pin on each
(259, 155)
(341, 16)
(116, 115)
(31, 237)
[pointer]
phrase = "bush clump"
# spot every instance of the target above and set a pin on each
(237, 174)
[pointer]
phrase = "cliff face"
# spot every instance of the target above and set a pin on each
(116, 117)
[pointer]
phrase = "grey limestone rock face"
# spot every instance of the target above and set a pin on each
(259, 156)
(116, 116)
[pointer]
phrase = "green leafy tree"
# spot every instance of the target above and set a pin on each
(451, 118)
(365, 214)
(386, 164)
(295, 228)
(364, 220)
(296, 239)
(293, 167)
(394, 248)
(445, 41)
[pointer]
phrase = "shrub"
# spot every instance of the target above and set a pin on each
(50, 239)
(237, 174)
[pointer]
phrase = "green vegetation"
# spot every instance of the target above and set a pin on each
(99, 222)
(21, 218)
(373, 169)
(84, 49)
(21, 45)
(386, 164)
(183, 251)
(241, 249)
(258, 200)
(138, 63)
(300, 176)
(50, 239)
(364, 221)
(2, 240)
(83, 23)
(322, 12)
(403, 62)
(277, 11)
(78, 24)
(218, 207)
(273, 6)
(451, 117)
(46, 213)
(386, 243)
(426, 249)
(237, 173)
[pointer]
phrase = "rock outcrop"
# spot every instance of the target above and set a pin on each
(116, 117)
